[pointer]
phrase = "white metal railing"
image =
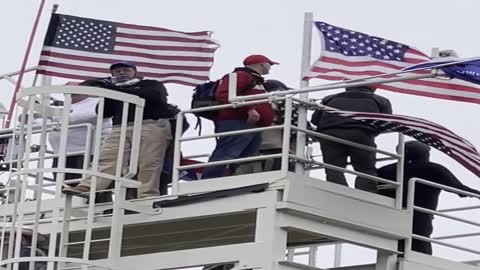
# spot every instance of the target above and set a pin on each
(285, 156)
(442, 213)
(36, 100)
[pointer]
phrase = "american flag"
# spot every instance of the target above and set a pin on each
(425, 131)
(82, 48)
(347, 54)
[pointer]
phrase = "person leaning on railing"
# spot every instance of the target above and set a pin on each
(417, 165)
(272, 140)
(249, 82)
(82, 111)
(357, 99)
(155, 133)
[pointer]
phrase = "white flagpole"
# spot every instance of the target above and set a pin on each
(302, 113)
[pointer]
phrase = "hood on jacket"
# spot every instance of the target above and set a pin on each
(416, 151)
(364, 88)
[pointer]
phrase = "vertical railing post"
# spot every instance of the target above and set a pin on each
(177, 153)
(411, 210)
(302, 112)
(287, 128)
(400, 169)
(232, 86)
(116, 230)
(39, 178)
(337, 260)
(62, 159)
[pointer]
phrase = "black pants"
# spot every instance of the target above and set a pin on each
(71, 162)
(76, 162)
(362, 160)
(423, 226)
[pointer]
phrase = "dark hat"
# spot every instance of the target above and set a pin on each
(258, 59)
(275, 85)
(123, 64)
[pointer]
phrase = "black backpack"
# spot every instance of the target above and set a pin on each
(172, 111)
(204, 96)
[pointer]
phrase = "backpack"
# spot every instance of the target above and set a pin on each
(172, 111)
(204, 96)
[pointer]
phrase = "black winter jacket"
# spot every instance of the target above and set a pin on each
(357, 99)
(154, 93)
(417, 165)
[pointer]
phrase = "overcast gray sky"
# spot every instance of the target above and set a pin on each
(274, 28)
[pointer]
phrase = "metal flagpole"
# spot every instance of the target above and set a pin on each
(24, 64)
(366, 81)
(302, 113)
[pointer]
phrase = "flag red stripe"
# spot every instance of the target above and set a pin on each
(165, 57)
(63, 75)
(453, 139)
(164, 38)
(407, 91)
(180, 82)
(412, 51)
(429, 94)
(164, 48)
(400, 117)
(83, 77)
(102, 70)
(153, 28)
(326, 77)
(110, 61)
(338, 61)
(170, 56)
(429, 83)
(450, 143)
(348, 72)
(467, 165)
(159, 75)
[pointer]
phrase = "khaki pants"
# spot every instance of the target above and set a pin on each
(155, 138)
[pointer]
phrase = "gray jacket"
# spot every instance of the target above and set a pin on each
(357, 99)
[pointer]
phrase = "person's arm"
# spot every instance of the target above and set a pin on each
(245, 82)
(109, 107)
(318, 114)
(156, 92)
(385, 105)
(447, 178)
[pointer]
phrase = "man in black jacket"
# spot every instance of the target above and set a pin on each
(418, 165)
(358, 99)
(155, 134)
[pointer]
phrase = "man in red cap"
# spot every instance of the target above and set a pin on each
(249, 82)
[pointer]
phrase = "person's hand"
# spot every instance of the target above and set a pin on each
(253, 117)
(468, 196)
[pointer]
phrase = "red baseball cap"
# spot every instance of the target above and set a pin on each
(258, 59)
